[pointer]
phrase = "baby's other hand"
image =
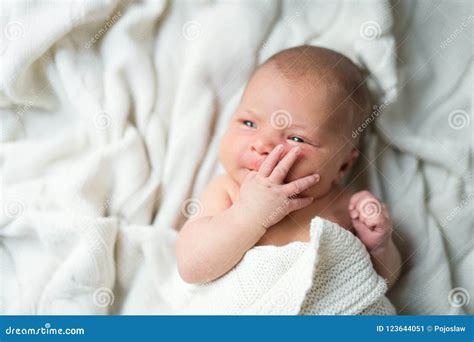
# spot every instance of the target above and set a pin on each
(371, 220)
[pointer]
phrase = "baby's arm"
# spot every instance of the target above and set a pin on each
(210, 245)
(387, 262)
(373, 225)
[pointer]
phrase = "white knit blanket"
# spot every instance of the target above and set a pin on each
(330, 275)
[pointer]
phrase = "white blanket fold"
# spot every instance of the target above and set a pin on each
(330, 275)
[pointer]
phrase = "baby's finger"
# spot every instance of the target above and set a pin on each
(354, 213)
(380, 223)
(359, 226)
(269, 163)
(280, 172)
(363, 232)
(249, 176)
(357, 197)
(299, 203)
(370, 226)
(301, 184)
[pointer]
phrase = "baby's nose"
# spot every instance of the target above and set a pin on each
(263, 148)
(266, 141)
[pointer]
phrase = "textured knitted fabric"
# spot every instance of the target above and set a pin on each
(332, 274)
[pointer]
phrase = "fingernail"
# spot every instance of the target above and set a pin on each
(297, 150)
(279, 147)
(316, 177)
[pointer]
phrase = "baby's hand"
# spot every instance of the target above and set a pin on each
(264, 195)
(371, 220)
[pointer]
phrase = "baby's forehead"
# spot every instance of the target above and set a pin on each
(317, 82)
(325, 75)
(314, 64)
(316, 104)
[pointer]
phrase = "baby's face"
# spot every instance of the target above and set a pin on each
(275, 110)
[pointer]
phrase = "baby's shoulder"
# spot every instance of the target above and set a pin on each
(231, 187)
(217, 195)
(223, 184)
(218, 184)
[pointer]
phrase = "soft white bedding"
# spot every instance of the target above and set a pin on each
(111, 117)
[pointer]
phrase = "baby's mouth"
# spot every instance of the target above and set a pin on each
(253, 164)
(285, 181)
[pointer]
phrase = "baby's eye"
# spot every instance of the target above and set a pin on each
(249, 123)
(297, 139)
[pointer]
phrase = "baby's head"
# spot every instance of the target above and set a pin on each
(304, 96)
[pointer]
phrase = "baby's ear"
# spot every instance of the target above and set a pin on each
(346, 166)
(350, 160)
(353, 155)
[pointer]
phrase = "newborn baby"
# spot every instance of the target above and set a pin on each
(285, 153)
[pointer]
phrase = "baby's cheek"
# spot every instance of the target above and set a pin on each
(308, 164)
(304, 166)
(226, 153)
